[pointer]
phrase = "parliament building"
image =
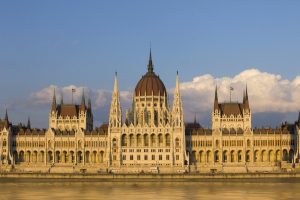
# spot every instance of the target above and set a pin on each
(151, 137)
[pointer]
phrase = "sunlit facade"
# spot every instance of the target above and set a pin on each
(150, 137)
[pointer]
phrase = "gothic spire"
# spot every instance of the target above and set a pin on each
(177, 83)
(177, 114)
(216, 102)
(82, 106)
(115, 117)
(28, 123)
(62, 99)
(246, 92)
(54, 101)
(6, 116)
(6, 122)
(116, 83)
(150, 64)
(89, 103)
(246, 103)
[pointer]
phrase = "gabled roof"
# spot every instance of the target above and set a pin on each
(70, 110)
(231, 109)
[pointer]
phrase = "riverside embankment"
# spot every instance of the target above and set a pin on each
(150, 177)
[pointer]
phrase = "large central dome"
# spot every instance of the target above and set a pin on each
(150, 83)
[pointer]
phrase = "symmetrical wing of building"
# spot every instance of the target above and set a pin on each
(152, 138)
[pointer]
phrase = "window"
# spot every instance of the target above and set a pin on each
(131, 157)
(167, 157)
(138, 157)
(177, 143)
(160, 157)
(177, 157)
(168, 140)
(145, 157)
(114, 143)
(124, 157)
(153, 157)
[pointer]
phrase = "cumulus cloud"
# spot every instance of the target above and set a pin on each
(101, 99)
(268, 93)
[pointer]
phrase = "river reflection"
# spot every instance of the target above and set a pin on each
(143, 191)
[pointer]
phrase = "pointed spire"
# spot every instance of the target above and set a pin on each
(6, 116)
(195, 119)
(216, 102)
(6, 122)
(28, 123)
(150, 64)
(116, 83)
(54, 101)
(82, 106)
(246, 92)
(246, 103)
(62, 99)
(89, 103)
(115, 117)
(177, 83)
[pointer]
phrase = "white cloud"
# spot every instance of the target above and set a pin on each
(267, 93)
(100, 97)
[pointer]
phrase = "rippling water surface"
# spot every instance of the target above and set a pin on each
(143, 191)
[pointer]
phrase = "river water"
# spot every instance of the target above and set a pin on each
(258, 190)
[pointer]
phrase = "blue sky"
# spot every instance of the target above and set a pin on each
(83, 43)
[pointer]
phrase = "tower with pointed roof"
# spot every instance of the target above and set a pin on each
(70, 117)
(114, 130)
(231, 116)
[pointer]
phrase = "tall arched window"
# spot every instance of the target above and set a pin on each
(124, 140)
(139, 140)
(153, 141)
(177, 143)
(114, 143)
(160, 140)
(146, 140)
(168, 140)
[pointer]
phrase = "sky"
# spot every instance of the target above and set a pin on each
(80, 44)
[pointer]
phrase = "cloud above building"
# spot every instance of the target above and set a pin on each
(268, 93)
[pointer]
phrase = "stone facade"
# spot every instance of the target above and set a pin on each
(152, 138)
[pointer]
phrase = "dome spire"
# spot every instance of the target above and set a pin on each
(150, 64)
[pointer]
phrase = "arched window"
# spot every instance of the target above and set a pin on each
(124, 140)
(225, 156)
(131, 140)
(239, 156)
(153, 141)
(146, 140)
(114, 143)
(177, 145)
(139, 140)
(216, 156)
(248, 143)
(160, 140)
(168, 140)
(248, 156)
(217, 143)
